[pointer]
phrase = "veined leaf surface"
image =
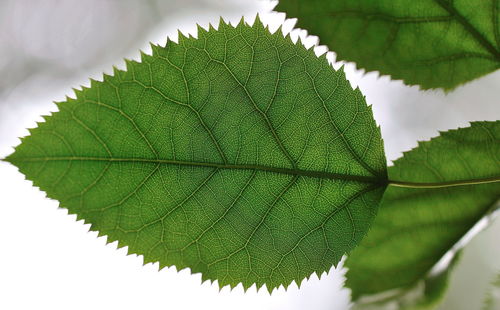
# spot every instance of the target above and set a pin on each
(431, 43)
(415, 227)
(237, 154)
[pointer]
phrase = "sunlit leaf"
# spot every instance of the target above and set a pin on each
(238, 154)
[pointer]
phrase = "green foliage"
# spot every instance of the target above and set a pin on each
(237, 154)
(426, 294)
(492, 299)
(415, 227)
(435, 288)
(431, 43)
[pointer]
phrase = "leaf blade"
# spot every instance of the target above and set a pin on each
(204, 156)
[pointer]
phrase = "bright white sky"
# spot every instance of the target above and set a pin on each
(49, 261)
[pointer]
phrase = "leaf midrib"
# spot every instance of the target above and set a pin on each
(287, 171)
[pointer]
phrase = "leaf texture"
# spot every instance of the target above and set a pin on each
(416, 227)
(237, 154)
(431, 43)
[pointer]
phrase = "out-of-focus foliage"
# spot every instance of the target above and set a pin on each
(431, 43)
(415, 227)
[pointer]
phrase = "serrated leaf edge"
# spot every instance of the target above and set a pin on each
(128, 62)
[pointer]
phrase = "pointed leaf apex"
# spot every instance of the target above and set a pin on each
(140, 132)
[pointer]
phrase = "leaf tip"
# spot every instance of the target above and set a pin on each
(8, 158)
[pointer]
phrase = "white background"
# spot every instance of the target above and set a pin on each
(50, 261)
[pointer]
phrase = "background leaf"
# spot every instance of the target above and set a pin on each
(426, 294)
(237, 154)
(431, 43)
(416, 227)
(492, 298)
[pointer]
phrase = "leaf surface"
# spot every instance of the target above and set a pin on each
(237, 154)
(431, 43)
(415, 227)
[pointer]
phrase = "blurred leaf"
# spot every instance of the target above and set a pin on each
(435, 287)
(238, 154)
(426, 294)
(492, 299)
(431, 43)
(415, 227)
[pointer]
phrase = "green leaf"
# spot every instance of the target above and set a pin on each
(426, 294)
(431, 43)
(415, 227)
(492, 298)
(237, 154)
(435, 287)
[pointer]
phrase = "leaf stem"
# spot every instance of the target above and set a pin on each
(404, 184)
